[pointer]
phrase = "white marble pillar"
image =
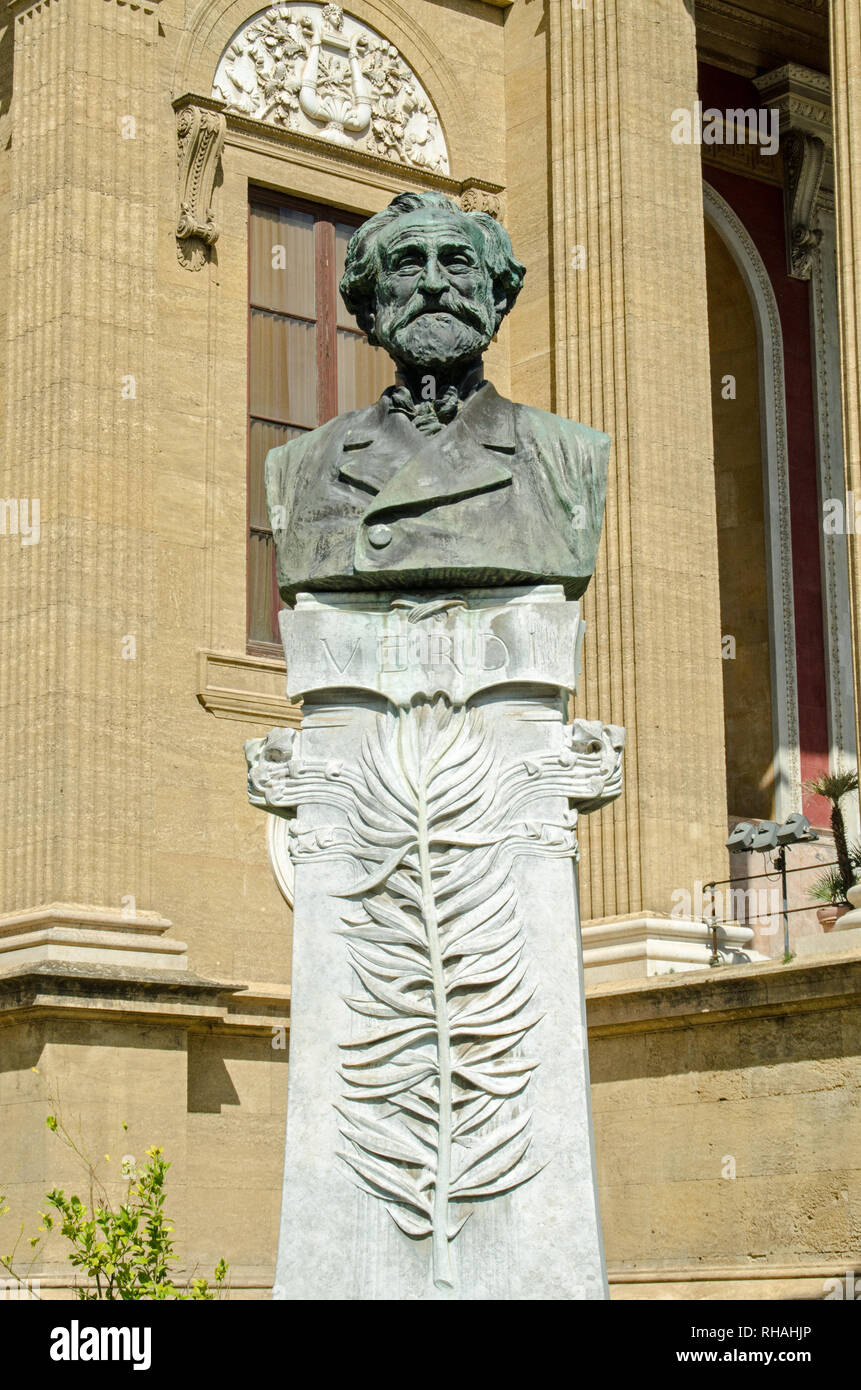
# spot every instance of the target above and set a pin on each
(439, 1137)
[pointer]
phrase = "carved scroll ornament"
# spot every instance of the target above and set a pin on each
(803, 162)
(803, 97)
(200, 136)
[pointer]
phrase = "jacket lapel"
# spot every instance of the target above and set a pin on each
(374, 446)
(466, 457)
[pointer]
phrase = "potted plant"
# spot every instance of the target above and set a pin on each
(832, 887)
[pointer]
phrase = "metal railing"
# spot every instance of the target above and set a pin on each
(779, 872)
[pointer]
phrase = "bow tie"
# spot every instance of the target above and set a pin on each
(428, 416)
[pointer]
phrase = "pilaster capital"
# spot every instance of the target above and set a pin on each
(801, 95)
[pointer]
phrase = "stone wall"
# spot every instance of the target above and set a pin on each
(727, 1111)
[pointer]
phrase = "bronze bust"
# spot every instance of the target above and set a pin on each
(443, 482)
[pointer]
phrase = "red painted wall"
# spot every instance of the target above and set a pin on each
(760, 207)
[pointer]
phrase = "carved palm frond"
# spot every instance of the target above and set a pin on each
(435, 1112)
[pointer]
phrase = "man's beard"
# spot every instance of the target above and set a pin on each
(452, 331)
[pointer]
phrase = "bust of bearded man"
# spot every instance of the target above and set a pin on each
(442, 483)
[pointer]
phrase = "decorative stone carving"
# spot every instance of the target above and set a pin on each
(474, 199)
(801, 94)
(319, 71)
(835, 559)
(200, 135)
(594, 755)
(803, 160)
(278, 849)
(409, 815)
(803, 98)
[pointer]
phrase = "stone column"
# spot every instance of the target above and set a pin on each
(78, 599)
(632, 358)
(846, 106)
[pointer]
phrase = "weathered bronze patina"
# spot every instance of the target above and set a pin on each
(442, 482)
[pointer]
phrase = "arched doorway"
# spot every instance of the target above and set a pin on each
(754, 542)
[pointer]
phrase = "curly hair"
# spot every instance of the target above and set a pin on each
(362, 263)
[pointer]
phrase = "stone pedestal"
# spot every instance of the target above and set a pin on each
(84, 936)
(630, 948)
(439, 1138)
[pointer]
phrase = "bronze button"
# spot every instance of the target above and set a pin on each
(379, 536)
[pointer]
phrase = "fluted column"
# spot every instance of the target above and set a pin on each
(78, 272)
(846, 107)
(631, 334)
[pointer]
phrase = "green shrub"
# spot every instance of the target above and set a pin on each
(128, 1252)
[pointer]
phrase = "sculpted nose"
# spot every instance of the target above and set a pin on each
(433, 280)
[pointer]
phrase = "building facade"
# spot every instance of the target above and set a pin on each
(178, 182)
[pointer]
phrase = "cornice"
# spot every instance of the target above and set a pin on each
(796, 75)
(747, 160)
(733, 992)
(802, 96)
(244, 128)
(744, 40)
(771, 24)
(236, 686)
(134, 998)
(19, 8)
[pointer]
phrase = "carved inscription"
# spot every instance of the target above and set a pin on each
(464, 652)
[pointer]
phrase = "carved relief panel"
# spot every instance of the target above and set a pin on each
(317, 70)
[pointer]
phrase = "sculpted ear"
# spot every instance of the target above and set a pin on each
(501, 304)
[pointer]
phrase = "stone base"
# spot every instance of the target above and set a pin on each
(75, 934)
(832, 943)
(629, 948)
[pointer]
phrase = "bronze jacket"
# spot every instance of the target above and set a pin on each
(505, 494)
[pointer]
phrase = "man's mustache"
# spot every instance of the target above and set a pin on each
(463, 309)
